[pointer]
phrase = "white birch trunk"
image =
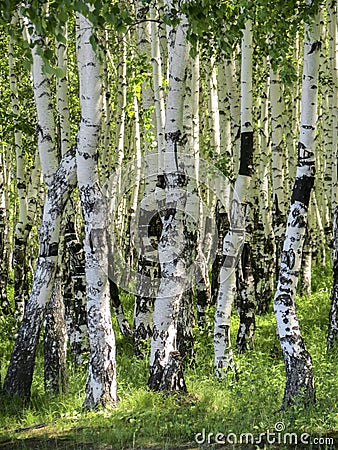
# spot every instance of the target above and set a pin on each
(234, 240)
(158, 88)
(265, 263)
(19, 252)
(46, 124)
(4, 219)
(213, 108)
(107, 116)
(165, 360)
(20, 371)
(235, 115)
(101, 382)
(75, 292)
(147, 264)
(203, 287)
(62, 100)
(333, 318)
(298, 364)
(278, 166)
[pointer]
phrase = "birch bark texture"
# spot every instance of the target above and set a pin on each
(298, 363)
(101, 382)
(60, 181)
(165, 360)
(19, 252)
(333, 318)
(234, 239)
(20, 371)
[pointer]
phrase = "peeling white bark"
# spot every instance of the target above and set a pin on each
(165, 366)
(234, 240)
(20, 371)
(101, 382)
(298, 364)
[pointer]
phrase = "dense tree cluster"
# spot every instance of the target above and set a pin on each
(183, 152)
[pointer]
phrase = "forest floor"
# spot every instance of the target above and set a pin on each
(214, 415)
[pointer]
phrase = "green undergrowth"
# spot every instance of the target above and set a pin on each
(144, 419)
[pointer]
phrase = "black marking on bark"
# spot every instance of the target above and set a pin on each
(285, 300)
(288, 258)
(305, 157)
(285, 280)
(315, 47)
(301, 193)
(246, 158)
(170, 377)
(228, 261)
(53, 249)
(174, 136)
(161, 181)
(38, 130)
(170, 212)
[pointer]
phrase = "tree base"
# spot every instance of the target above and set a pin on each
(299, 387)
(168, 378)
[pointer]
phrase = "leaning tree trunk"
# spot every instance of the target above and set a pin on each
(234, 239)
(298, 363)
(101, 382)
(22, 231)
(165, 360)
(60, 180)
(20, 371)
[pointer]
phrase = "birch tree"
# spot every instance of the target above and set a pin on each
(298, 363)
(101, 382)
(332, 175)
(165, 360)
(20, 371)
(234, 239)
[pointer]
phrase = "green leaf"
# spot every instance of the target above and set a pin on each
(60, 73)
(48, 54)
(48, 69)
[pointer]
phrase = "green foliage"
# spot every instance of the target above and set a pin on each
(215, 25)
(217, 28)
(249, 405)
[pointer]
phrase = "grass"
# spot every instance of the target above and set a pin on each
(147, 419)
